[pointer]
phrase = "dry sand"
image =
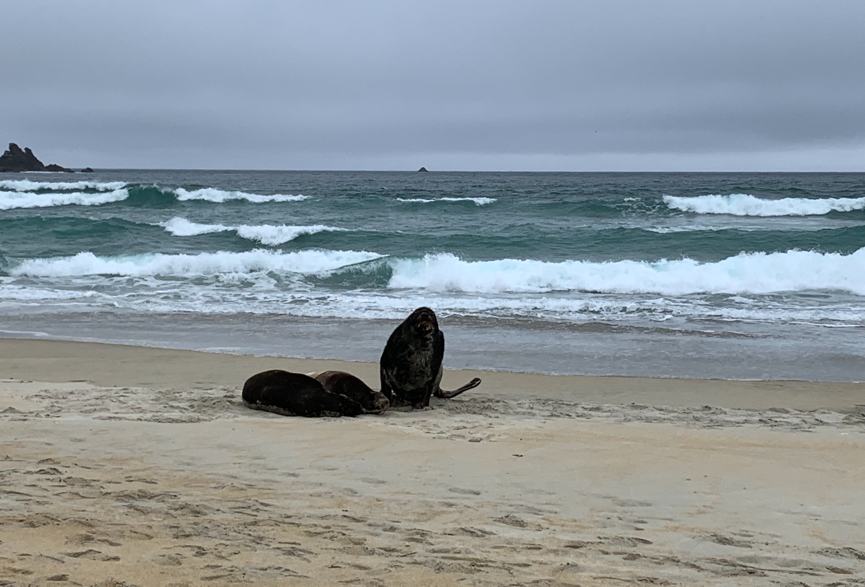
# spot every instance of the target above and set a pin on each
(135, 466)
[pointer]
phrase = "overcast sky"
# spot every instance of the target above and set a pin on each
(466, 85)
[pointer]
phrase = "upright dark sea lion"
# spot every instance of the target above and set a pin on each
(347, 385)
(411, 363)
(295, 394)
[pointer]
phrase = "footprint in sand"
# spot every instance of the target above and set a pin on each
(517, 522)
(92, 554)
(463, 491)
(169, 560)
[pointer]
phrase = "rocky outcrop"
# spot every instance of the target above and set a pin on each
(424, 169)
(87, 170)
(54, 167)
(14, 159)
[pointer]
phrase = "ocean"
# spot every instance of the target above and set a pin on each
(728, 275)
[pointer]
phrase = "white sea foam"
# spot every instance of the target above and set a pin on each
(202, 264)
(37, 295)
(276, 235)
(477, 201)
(744, 273)
(258, 293)
(729, 227)
(10, 200)
(677, 229)
(25, 185)
(265, 234)
(219, 196)
(182, 227)
(748, 205)
(368, 305)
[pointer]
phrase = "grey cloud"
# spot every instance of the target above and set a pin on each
(346, 84)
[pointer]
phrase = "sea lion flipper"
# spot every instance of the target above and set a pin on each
(439, 392)
(385, 386)
(436, 366)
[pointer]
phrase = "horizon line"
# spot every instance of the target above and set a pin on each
(96, 169)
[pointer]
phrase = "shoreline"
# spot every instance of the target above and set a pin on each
(786, 353)
(110, 364)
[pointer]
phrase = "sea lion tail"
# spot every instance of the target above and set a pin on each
(439, 392)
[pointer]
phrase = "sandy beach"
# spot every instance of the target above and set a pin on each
(124, 465)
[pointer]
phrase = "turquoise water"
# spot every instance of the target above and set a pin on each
(724, 275)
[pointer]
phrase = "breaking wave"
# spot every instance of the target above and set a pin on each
(748, 205)
(28, 199)
(182, 227)
(445, 273)
(190, 266)
(759, 273)
(265, 234)
(25, 185)
(24, 193)
(477, 201)
(220, 196)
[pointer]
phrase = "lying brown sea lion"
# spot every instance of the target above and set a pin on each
(295, 394)
(347, 385)
(411, 363)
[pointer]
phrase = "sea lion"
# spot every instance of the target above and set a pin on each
(411, 363)
(295, 394)
(347, 385)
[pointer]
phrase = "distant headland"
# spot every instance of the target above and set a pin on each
(14, 159)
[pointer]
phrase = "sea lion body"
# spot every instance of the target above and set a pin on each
(411, 363)
(349, 386)
(295, 394)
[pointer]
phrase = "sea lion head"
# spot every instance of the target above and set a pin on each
(354, 389)
(371, 401)
(423, 320)
(380, 401)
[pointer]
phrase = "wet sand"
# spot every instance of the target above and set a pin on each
(134, 466)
